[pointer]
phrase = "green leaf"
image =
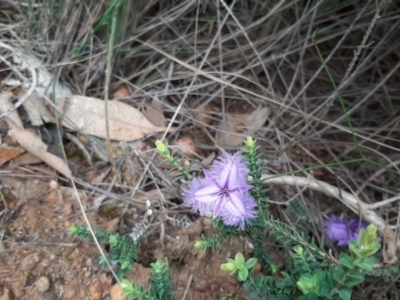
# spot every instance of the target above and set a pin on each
(230, 266)
(353, 248)
(73, 229)
(344, 293)
(354, 279)
(254, 294)
(338, 276)
(346, 260)
(371, 250)
(378, 272)
(307, 284)
(127, 287)
(243, 273)
(312, 296)
(239, 259)
(125, 265)
(326, 293)
(367, 266)
(251, 262)
(113, 240)
(246, 285)
(367, 236)
(387, 271)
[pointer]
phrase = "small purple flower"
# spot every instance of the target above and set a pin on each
(223, 192)
(342, 231)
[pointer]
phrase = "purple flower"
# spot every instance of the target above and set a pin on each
(223, 192)
(342, 231)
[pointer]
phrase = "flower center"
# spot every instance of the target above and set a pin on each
(225, 191)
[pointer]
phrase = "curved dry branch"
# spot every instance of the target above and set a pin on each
(358, 206)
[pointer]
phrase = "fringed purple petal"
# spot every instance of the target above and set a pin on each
(356, 225)
(230, 169)
(342, 231)
(207, 194)
(239, 209)
(241, 188)
(211, 179)
(201, 196)
(337, 230)
(219, 205)
(229, 175)
(344, 242)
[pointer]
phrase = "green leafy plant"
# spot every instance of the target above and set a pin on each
(239, 266)
(123, 249)
(183, 172)
(160, 288)
(123, 254)
(309, 279)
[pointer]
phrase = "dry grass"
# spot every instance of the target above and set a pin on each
(241, 56)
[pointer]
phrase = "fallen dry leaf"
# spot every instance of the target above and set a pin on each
(7, 153)
(26, 159)
(155, 114)
(36, 109)
(234, 129)
(32, 143)
(126, 123)
(28, 140)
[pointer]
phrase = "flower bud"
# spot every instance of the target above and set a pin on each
(161, 147)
